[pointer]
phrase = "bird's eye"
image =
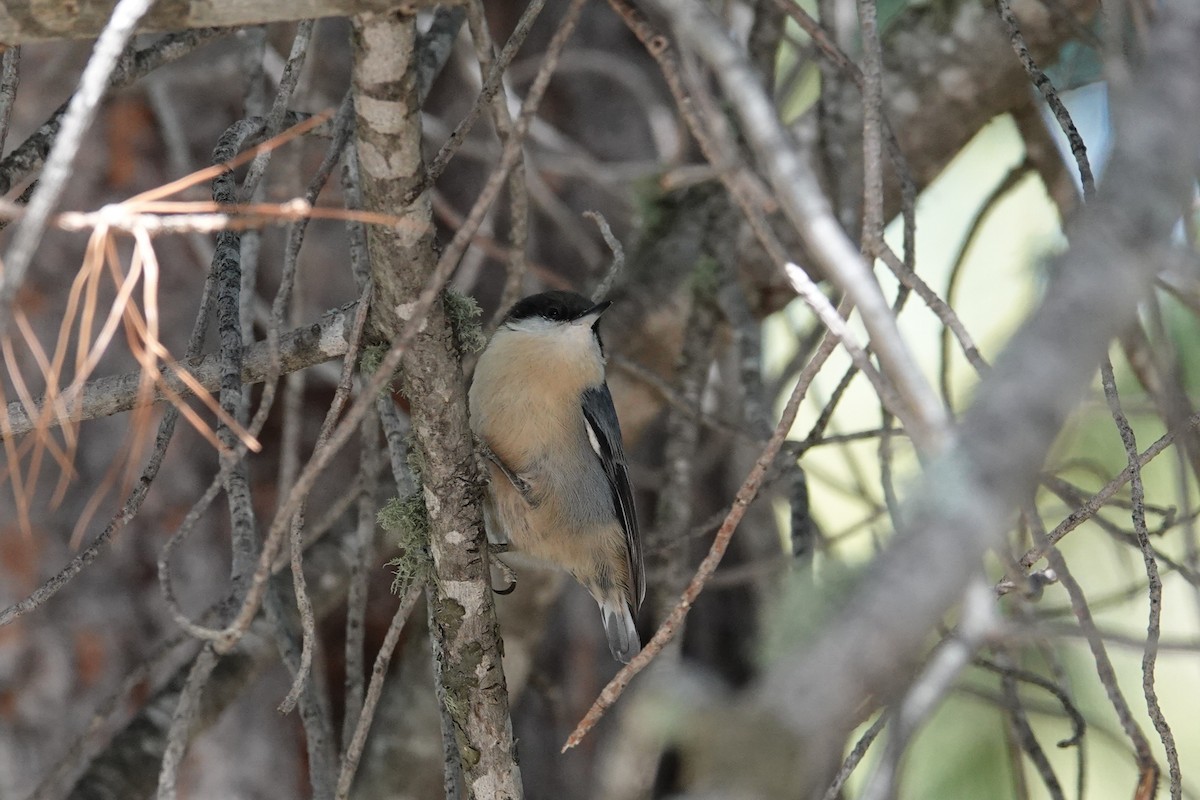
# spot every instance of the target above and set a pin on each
(554, 312)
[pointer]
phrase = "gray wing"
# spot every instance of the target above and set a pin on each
(605, 434)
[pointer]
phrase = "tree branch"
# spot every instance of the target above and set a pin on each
(463, 614)
(298, 349)
(22, 22)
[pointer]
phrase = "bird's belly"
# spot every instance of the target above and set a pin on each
(571, 527)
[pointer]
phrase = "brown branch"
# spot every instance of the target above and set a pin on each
(26, 22)
(1046, 87)
(298, 349)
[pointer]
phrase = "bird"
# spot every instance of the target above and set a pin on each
(558, 483)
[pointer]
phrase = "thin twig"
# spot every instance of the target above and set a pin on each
(854, 757)
(227, 272)
(1154, 589)
(279, 106)
(382, 659)
(836, 324)
(340, 395)
(361, 559)
(1098, 500)
(518, 190)
(80, 111)
(604, 286)
(979, 620)
(941, 308)
(1006, 185)
(490, 87)
(182, 721)
(1026, 738)
(295, 237)
(1071, 495)
(1046, 87)
(872, 91)
(1078, 723)
(1147, 766)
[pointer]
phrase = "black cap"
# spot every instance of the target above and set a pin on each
(557, 306)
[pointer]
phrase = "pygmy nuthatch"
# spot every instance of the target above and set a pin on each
(559, 487)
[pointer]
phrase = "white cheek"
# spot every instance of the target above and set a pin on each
(534, 325)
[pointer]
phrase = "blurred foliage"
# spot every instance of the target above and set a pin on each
(962, 751)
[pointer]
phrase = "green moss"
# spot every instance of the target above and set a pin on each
(459, 681)
(416, 457)
(470, 658)
(458, 676)
(408, 518)
(463, 314)
(371, 357)
(369, 360)
(448, 616)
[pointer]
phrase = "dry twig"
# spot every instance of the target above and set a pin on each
(746, 494)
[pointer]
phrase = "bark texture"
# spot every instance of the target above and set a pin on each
(23, 21)
(466, 641)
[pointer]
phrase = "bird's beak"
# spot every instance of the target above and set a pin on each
(590, 316)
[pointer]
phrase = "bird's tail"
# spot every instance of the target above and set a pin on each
(622, 634)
